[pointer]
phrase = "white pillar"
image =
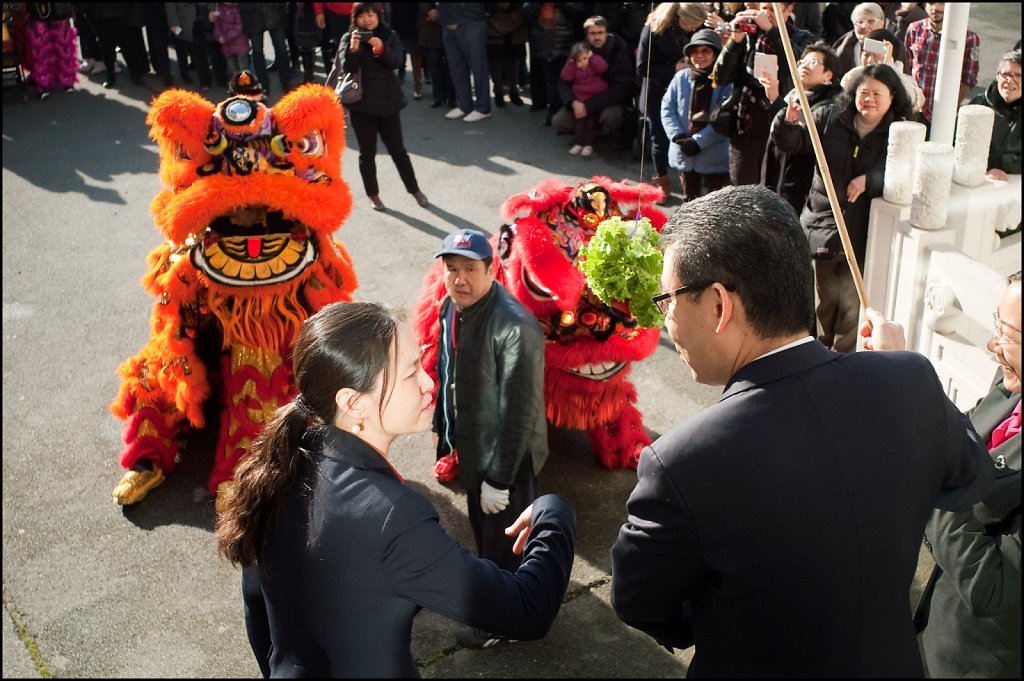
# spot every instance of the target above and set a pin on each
(947, 75)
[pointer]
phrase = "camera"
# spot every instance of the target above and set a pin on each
(364, 35)
(747, 26)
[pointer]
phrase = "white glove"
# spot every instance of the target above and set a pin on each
(492, 499)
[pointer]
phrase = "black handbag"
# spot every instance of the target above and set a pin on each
(350, 88)
(723, 118)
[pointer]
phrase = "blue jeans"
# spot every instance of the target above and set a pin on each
(466, 50)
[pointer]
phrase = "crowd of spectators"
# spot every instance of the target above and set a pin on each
(648, 95)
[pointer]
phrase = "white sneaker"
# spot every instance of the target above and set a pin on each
(575, 150)
(587, 151)
(474, 116)
(455, 114)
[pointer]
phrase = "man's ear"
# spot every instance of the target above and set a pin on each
(725, 306)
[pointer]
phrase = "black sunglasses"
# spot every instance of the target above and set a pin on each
(661, 300)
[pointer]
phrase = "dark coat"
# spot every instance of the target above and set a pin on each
(656, 59)
(790, 175)
(263, 16)
(848, 157)
(500, 424)
(736, 65)
(382, 93)
(779, 529)
(1004, 150)
(428, 33)
(552, 43)
(308, 35)
(972, 601)
(355, 554)
(506, 24)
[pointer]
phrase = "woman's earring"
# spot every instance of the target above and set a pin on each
(358, 428)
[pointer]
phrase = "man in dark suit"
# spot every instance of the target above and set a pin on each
(778, 530)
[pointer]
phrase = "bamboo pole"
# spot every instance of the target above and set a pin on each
(819, 155)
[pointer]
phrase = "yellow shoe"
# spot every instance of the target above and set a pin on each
(224, 491)
(135, 485)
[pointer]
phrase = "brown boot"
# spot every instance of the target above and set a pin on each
(663, 182)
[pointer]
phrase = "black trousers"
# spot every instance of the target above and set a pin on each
(746, 154)
(489, 529)
(389, 128)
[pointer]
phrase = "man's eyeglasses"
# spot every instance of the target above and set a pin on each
(1009, 75)
(997, 326)
(868, 22)
(809, 63)
(662, 300)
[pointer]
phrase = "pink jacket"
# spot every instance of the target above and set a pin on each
(589, 82)
(229, 25)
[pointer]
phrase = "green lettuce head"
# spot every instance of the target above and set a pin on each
(622, 263)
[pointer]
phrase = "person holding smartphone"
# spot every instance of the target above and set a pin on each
(755, 31)
(882, 47)
(376, 52)
(865, 17)
(789, 174)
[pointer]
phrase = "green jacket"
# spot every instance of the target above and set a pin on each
(971, 605)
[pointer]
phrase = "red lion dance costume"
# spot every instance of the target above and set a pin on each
(252, 196)
(590, 345)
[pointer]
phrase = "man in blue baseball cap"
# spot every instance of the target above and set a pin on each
(490, 399)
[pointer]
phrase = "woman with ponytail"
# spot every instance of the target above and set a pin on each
(338, 554)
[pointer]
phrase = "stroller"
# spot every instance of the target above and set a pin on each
(15, 20)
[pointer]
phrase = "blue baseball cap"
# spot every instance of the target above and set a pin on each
(467, 242)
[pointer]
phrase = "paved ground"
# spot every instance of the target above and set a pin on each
(91, 590)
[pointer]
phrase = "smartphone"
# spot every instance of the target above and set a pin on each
(365, 35)
(766, 62)
(874, 46)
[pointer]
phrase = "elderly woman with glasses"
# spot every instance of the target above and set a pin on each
(866, 17)
(1003, 95)
(970, 609)
(885, 48)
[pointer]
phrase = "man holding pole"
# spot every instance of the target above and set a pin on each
(779, 529)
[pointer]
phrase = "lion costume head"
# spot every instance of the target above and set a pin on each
(251, 197)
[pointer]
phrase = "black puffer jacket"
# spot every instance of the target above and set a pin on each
(848, 157)
(1004, 152)
(382, 95)
(500, 423)
(790, 175)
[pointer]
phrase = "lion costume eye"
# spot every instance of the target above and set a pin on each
(312, 144)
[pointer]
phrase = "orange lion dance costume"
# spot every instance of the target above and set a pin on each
(589, 345)
(251, 197)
